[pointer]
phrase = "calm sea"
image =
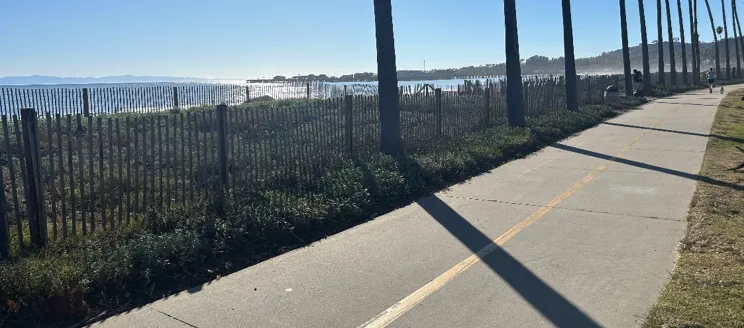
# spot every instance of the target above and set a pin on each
(147, 97)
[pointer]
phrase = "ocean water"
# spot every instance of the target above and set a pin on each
(150, 97)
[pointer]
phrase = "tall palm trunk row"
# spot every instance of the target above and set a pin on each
(694, 41)
(389, 110)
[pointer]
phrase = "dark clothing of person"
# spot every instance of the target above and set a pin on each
(638, 77)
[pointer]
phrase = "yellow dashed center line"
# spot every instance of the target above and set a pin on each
(394, 312)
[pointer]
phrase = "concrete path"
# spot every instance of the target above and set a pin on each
(581, 234)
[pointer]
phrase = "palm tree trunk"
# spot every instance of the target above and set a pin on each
(390, 137)
(736, 39)
(660, 39)
(514, 102)
(672, 60)
(572, 93)
(644, 49)
(738, 27)
(715, 39)
(626, 50)
(726, 41)
(693, 59)
(697, 40)
(682, 39)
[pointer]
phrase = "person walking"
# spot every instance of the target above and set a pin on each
(711, 75)
(638, 83)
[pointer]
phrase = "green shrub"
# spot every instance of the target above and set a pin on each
(159, 248)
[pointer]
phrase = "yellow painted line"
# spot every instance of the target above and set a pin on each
(394, 312)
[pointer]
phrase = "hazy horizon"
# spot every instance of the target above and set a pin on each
(244, 40)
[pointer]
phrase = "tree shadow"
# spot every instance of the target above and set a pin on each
(551, 304)
(739, 140)
(681, 174)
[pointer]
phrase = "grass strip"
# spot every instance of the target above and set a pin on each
(707, 286)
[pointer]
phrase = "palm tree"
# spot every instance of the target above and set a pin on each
(672, 64)
(660, 43)
(736, 39)
(738, 27)
(698, 57)
(390, 138)
(682, 39)
(626, 50)
(726, 43)
(715, 39)
(693, 37)
(514, 102)
(644, 49)
(572, 93)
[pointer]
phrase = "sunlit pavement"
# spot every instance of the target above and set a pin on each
(581, 234)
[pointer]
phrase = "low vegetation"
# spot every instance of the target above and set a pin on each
(83, 278)
(707, 287)
(103, 170)
(163, 253)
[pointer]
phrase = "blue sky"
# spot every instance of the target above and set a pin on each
(254, 38)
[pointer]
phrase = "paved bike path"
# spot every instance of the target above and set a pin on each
(580, 234)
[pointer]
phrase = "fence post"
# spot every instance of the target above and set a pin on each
(4, 233)
(308, 90)
(175, 97)
(438, 96)
(526, 96)
(349, 106)
(247, 94)
(35, 194)
(86, 102)
(222, 140)
(487, 96)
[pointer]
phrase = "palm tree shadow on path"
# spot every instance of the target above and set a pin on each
(739, 140)
(642, 165)
(547, 301)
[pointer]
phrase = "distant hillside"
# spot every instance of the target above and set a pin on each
(614, 59)
(608, 62)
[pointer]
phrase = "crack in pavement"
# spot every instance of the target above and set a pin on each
(174, 318)
(646, 171)
(671, 150)
(566, 208)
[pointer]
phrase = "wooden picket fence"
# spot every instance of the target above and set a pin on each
(68, 175)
